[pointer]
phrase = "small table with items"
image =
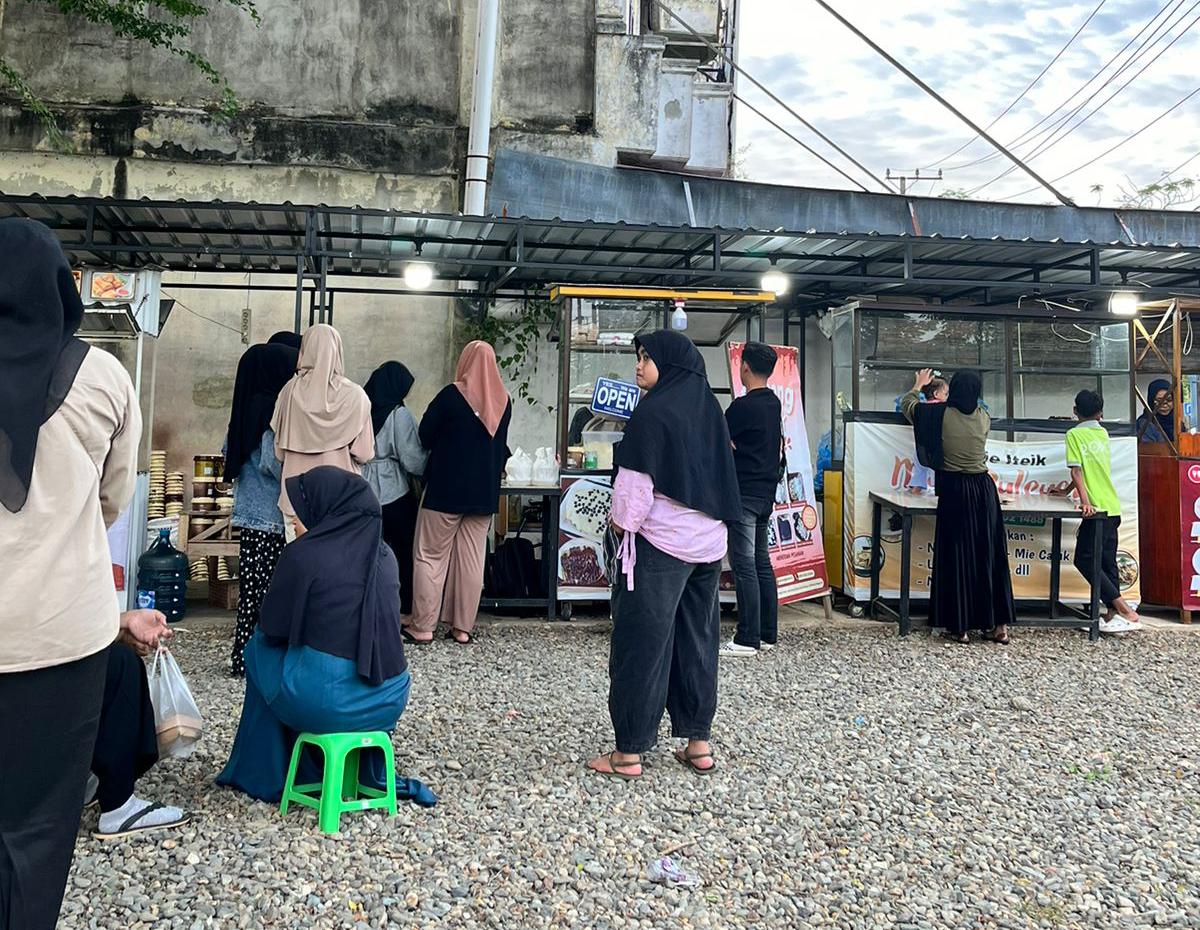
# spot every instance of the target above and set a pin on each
(550, 495)
(908, 504)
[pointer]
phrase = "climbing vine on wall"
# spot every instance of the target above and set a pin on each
(516, 342)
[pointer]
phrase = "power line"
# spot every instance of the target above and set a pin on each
(1031, 132)
(766, 90)
(1057, 134)
(1028, 87)
(753, 109)
(1128, 138)
(207, 319)
(943, 101)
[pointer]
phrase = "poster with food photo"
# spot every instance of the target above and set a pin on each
(583, 519)
(793, 532)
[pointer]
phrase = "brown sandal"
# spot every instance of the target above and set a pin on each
(688, 759)
(614, 766)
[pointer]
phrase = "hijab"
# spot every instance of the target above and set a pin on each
(478, 378)
(1166, 422)
(285, 338)
(40, 310)
(320, 409)
(336, 588)
(966, 390)
(262, 372)
(387, 387)
(677, 433)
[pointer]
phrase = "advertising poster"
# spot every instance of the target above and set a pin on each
(582, 520)
(794, 535)
(881, 457)
(118, 547)
(1189, 521)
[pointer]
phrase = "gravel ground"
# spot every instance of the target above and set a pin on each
(866, 781)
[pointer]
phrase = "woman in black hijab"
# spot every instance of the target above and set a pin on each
(675, 486)
(327, 656)
(399, 458)
(286, 338)
(971, 588)
(251, 464)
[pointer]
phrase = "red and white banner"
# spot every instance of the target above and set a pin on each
(794, 536)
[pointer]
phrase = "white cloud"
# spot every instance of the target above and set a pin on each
(980, 54)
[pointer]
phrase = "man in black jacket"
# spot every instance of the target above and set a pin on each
(755, 428)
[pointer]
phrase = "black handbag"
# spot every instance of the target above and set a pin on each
(512, 570)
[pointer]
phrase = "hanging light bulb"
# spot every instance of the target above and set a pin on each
(418, 275)
(679, 316)
(774, 281)
(1123, 303)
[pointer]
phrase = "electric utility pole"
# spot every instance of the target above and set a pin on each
(914, 177)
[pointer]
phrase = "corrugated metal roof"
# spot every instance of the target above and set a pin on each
(511, 252)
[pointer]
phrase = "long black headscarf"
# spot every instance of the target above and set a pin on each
(336, 588)
(966, 390)
(286, 338)
(387, 387)
(261, 374)
(677, 433)
(40, 311)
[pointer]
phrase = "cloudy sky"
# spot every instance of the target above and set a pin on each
(980, 54)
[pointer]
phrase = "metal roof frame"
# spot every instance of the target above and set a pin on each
(519, 254)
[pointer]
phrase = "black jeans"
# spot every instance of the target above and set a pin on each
(48, 721)
(399, 529)
(665, 641)
(757, 597)
(1110, 578)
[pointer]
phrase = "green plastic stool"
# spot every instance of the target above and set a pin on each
(340, 790)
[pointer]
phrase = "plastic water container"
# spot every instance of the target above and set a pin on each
(601, 443)
(163, 577)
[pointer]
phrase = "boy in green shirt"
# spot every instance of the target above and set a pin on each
(1091, 473)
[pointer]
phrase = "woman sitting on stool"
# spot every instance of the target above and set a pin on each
(327, 656)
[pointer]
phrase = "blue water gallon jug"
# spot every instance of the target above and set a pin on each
(163, 577)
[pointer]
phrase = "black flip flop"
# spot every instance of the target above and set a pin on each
(134, 826)
(461, 642)
(412, 640)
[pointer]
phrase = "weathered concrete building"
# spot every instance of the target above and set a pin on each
(358, 102)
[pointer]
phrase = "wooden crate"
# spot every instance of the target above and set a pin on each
(223, 594)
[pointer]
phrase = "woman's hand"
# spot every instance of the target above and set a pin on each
(142, 629)
(923, 377)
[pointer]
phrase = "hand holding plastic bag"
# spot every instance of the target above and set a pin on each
(177, 719)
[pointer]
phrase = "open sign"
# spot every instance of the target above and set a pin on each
(616, 399)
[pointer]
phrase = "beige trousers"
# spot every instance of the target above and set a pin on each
(448, 569)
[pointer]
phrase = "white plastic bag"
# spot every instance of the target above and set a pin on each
(520, 468)
(545, 468)
(177, 719)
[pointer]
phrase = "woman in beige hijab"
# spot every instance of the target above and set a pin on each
(465, 429)
(322, 417)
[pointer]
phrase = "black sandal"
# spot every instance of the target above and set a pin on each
(614, 766)
(462, 642)
(999, 641)
(688, 759)
(412, 640)
(965, 639)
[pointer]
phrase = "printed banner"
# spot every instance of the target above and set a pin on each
(582, 519)
(881, 456)
(794, 534)
(1189, 522)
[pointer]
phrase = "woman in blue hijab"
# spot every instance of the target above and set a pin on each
(1157, 422)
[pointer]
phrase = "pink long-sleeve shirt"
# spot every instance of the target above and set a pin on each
(686, 534)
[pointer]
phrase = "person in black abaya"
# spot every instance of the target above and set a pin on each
(675, 488)
(971, 588)
(327, 656)
(286, 338)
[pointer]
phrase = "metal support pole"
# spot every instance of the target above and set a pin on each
(299, 292)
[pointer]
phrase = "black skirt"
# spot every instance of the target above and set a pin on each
(971, 586)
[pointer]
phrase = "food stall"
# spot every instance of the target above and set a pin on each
(1169, 472)
(596, 393)
(123, 315)
(1033, 358)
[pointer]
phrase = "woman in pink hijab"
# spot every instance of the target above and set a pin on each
(465, 429)
(321, 417)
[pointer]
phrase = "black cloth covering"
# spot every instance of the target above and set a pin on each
(40, 310)
(262, 372)
(966, 388)
(971, 586)
(387, 387)
(465, 464)
(336, 587)
(126, 744)
(678, 435)
(756, 427)
(399, 532)
(286, 338)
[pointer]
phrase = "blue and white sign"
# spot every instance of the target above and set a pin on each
(613, 398)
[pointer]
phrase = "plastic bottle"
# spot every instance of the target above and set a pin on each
(163, 577)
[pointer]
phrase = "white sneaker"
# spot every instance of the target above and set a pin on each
(737, 650)
(766, 647)
(1118, 625)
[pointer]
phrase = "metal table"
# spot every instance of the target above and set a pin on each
(550, 495)
(1055, 509)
